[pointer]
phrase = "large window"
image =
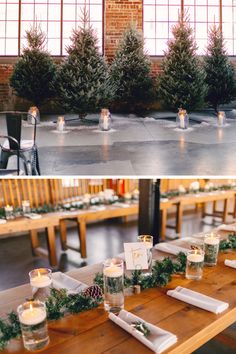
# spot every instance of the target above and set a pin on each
(161, 15)
(57, 18)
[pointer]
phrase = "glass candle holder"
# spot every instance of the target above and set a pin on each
(148, 239)
(33, 111)
(61, 124)
(194, 265)
(182, 120)
(211, 249)
(221, 119)
(40, 281)
(26, 206)
(113, 273)
(105, 120)
(33, 321)
(86, 200)
(9, 212)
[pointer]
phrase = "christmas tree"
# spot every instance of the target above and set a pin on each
(219, 71)
(181, 84)
(83, 82)
(34, 73)
(131, 72)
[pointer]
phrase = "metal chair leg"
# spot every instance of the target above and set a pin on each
(4, 159)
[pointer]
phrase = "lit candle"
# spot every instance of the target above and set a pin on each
(136, 194)
(212, 239)
(40, 280)
(26, 206)
(195, 257)
(9, 212)
(211, 249)
(105, 122)
(221, 118)
(148, 242)
(113, 271)
(127, 196)
(9, 208)
(86, 198)
(60, 123)
(181, 121)
(32, 316)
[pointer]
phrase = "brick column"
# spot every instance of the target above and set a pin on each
(118, 16)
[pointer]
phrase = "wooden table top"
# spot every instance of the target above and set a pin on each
(92, 332)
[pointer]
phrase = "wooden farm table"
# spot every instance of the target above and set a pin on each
(47, 221)
(82, 217)
(92, 331)
(199, 198)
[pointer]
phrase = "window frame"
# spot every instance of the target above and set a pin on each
(13, 58)
(182, 6)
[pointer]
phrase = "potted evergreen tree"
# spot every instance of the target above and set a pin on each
(181, 85)
(131, 73)
(34, 73)
(220, 76)
(83, 84)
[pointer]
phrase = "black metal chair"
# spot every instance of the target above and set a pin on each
(27, 149)
(5, 172)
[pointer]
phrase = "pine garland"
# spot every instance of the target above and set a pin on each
(229, 243)
(160, 276)
(58, 304)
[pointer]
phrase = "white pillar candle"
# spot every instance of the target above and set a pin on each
(32, 316)
(195, 258)
(113, 271)
(212, 240)
(40, 281)
(105, 122)
(182, 121)
(9, 208)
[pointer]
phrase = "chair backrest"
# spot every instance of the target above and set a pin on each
(11, 139)
(14, 124)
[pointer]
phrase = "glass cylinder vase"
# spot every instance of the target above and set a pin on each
(148, 240)
(105, 120)
(211, 249)
(40, 281)
(182, 119)
(194, 265)
(221, 119)
(113, 273)
(33, 321)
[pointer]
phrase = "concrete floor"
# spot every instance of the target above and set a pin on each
(137, 146)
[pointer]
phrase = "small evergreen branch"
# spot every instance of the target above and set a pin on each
(230, 243)
(9, 329)
(141, 327)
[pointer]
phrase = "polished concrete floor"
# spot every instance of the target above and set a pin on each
(137, 146)
(104, 239)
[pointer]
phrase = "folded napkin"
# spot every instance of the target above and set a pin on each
(33, 216)
(223, 227)
(63, 281)
(97, 207)
(3, 221)
(121, 205)
(230, 263)
(158, 340)
(197, 299)
(170, 248)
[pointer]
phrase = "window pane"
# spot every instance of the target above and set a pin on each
(229, 25)
(9, 12)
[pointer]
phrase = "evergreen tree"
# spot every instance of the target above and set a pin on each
(219, 71)
(181, 84)
(34, 73)
(83, 82)
(131, 72)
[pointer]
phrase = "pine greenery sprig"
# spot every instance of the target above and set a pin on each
(58, 304)
(229, 243)
(160, 276)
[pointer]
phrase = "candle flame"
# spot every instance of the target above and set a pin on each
(31, 307)
(39, 275)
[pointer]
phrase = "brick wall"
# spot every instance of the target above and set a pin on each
(118, 14)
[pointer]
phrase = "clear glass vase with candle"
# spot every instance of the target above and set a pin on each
(113, 273)
(148, 239)
(194, 265)
(41, 282)
(182, 119)
(221, 119)
(211, 249)
(26, 206)
(33, 321)
(105, 120)
(9, 212)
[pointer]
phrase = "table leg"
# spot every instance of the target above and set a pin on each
(234, 212)
(34, 240)
(51, 240)
(63, 235)
(163, 224)
(203, 210)
(81, 224)
(225, 211)
(179, 218)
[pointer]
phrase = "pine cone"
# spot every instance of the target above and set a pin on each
(94, 291)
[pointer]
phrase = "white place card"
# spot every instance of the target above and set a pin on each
(136, 255)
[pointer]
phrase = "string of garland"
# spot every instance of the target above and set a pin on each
(177, 193)
(60, 302)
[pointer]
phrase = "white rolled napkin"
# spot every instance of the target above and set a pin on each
(33, 216)
(63, 281)
(197, 299)
(97, 207)
(121, 205)
(230, 228)
(158, 339)
(170, 248)
(230, 263)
